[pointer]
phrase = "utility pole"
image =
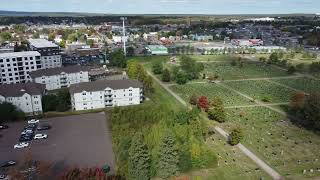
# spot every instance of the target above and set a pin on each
(124, 35)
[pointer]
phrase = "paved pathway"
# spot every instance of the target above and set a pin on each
(274, 174)
(256, 105)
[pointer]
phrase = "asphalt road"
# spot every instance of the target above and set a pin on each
(81, 141)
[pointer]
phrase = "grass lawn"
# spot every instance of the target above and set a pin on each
(211, 57)
(284, 146)
(210, 90)
(307, 85)
(263, 90)
(249, 70)
(233, 164)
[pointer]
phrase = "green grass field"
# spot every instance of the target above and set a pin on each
(228, 97)
(263, 90)
(284, 146)
(249, 70)
(233, 164)
(307, 85)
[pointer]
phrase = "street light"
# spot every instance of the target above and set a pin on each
(124, 35)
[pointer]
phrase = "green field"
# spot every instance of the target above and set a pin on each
(307, 85)
(284, 146)
(228, 97)
(249, 70)
(233, 164)
(211, 57)
(263, 90)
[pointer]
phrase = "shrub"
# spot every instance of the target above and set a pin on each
(181, 78)
(203, 103)
(236, 136)
(291, 70)
(193, 99)
(217, 114)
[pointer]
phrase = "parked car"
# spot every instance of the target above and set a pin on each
(8, 163)
(44, 127)
(21, 145)
(3, 126)
(31, 126)
(32, 121)
(27, 131)
(40, 136)
(25, 138)
(4, 177)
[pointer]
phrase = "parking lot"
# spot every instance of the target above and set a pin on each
(82, 141)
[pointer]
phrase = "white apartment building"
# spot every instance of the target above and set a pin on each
(105, 93)
(50, 52)
(56, 78)
(25, 96)
(16, 66)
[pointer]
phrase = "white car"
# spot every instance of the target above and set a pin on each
(21, 145)
(40, 136)
(32, 121)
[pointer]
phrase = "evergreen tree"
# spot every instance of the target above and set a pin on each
(139, 159)
(166, 75)
(168, 156)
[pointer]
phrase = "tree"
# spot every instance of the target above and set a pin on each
(157, 67)
(168, 156)
(133, 69)
(193, 99)
(291, 70)
(181, 78)
(297, 100)
(57, 102)
(9, 112)
(217, 114)
(166, 75)
(51, 36)
(5, 36)
(63, 44)
(273, 57)
(64, 100)
(190, 67)
(130, 51)
(118, 59)
(236, 136)
(139, 161)
(90, 42)
(49, 102)
(203, 103)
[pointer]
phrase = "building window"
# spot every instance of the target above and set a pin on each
(130, 94)
(130, 99)
(84, 93)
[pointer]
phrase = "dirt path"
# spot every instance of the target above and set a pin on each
(274, 174)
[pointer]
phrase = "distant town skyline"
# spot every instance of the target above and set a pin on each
(165, 6)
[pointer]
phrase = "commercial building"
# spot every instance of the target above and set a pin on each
(105, 93)
(157, 49)
(25, 96)
(50, 52)
(247, 42)
(56, 78)
(16, 66)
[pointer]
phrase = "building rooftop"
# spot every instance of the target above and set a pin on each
(101, 85)
(58, 70)
(19, 54)
(41, 43)
(157, 48)
(17, 90)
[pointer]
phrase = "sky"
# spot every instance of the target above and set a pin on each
(165, 6)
